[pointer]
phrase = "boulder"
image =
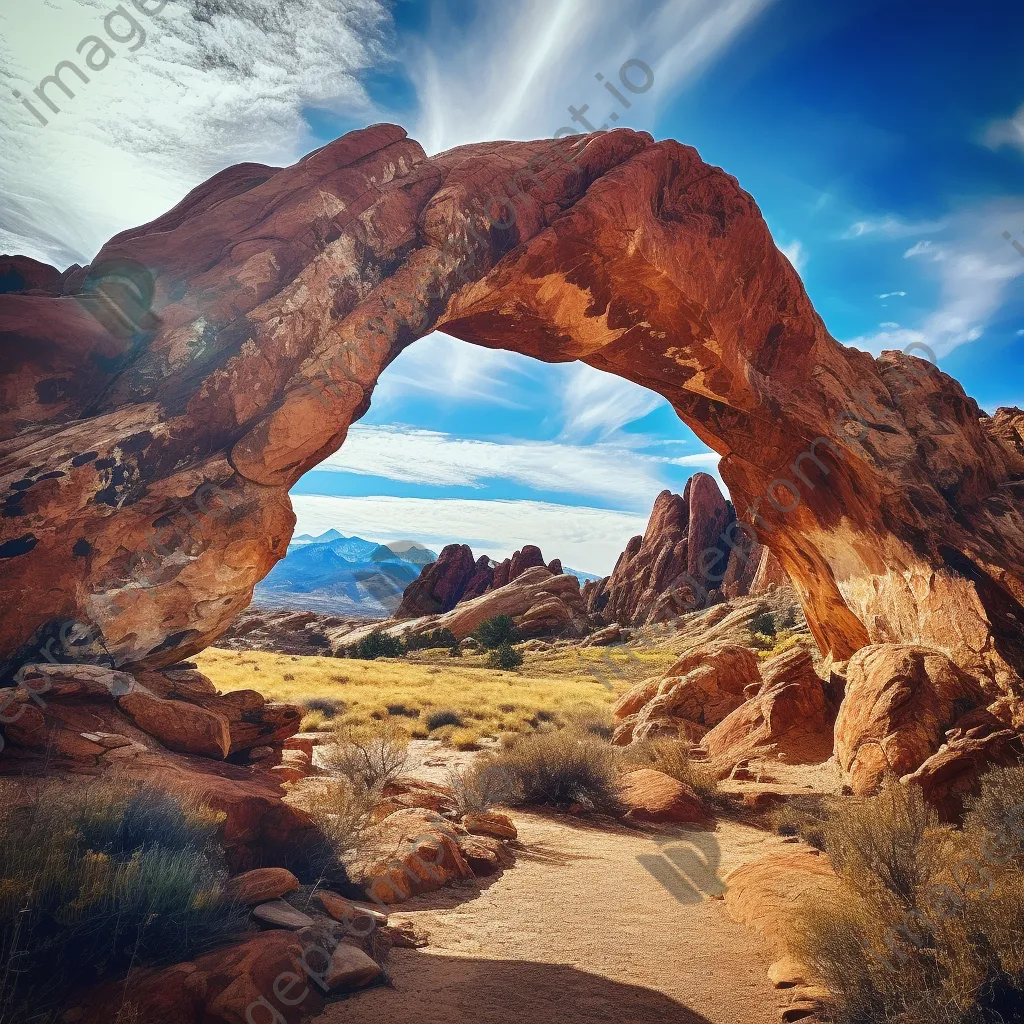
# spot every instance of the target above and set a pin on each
(978, 742)
(357, 917)
(278, 914)
(422, 855)
(261, 885)
(260, 978)
(697, 692)
(766, 894)
(484, 854)
(900, 701)
(350, 969)
(790, 718)
(650, 795)
(489, 823)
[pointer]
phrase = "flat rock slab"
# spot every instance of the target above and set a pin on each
(349, 969)
(278, 914)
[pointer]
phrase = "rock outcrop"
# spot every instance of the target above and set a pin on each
(146, 458)
(540, 603)
(171, 729)
(900, 701)
(692, 554)
(457, 576)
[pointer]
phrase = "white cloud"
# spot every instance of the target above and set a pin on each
(589, 539)
(973, 269)
(1020, 334)
(598, 405)
(889, 295)
(889, 325)
(519, 67)
(428, 457)
(794, 252)
(891, 227)
(925, 248)
(211, 85)
(1009, 132)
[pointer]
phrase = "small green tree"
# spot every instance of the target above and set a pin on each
(497, 631)
(379, 644)
(504, 656)
(763, 623)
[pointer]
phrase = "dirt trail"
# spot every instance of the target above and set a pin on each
(580, 931)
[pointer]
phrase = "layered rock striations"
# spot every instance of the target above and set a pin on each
(144, 469)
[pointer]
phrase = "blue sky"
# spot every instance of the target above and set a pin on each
(884, 142)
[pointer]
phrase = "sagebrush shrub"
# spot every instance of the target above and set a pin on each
(928, 930)
(561, 768)
(101, 877)
(369, 757)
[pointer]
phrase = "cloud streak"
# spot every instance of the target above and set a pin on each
(432, 458)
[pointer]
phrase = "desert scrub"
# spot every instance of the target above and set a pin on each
(928, 931)
(99, 878)
(368, 757)
(443, 716)
(674, 758)
(504, 656)
(464, 739)
(369, 688)
(342, 810)
(482, 785)
(561, 768)
(377, 644)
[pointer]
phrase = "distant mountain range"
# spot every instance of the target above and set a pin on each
(348, 576)
(341, 575)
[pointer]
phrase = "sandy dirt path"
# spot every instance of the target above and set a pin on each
(581, 931)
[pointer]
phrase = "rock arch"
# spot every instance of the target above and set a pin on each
(146, 458)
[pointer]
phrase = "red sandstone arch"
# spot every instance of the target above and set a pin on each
(145, 472)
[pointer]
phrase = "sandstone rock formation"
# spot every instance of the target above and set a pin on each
(456, 576)
(146, 459)
(650, 795)
(900, 701)
(736, 707)
(540, 603)
(171, 729)
(691, 555)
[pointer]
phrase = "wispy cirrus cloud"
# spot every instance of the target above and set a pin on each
(213, 84)
(429, 457)
(1007, 132)
(550, 52)
(973, 268)
(891, 227)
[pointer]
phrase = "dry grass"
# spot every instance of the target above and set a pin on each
(673, 757)
(929, 929)
(548, 688)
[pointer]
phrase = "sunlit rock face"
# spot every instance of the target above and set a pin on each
(147, 453)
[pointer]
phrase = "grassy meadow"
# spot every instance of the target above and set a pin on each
(413, 692)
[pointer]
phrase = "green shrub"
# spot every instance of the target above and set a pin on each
(764, 623)
(432, 640)
(379, 644)
(504, 656)
(98, 878)
(442, 717)
(497, 631)
(561, 768)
